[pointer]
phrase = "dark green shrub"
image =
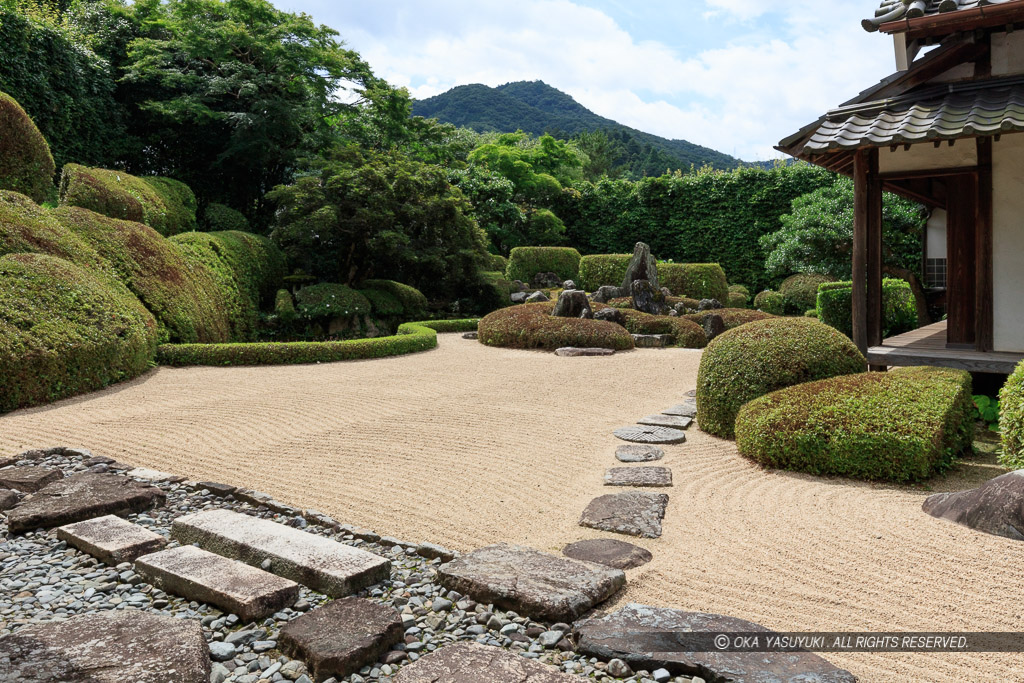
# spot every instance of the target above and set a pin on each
(737, 300)
(179, 202)
(694, 280)
(284, 306)
(499, 263)
(26, 165)
(811, 313)
(414, 303)
(688, 334)
(900, 426)
(800, 291)
(531, 326)
(383, 303)
(770, 302)
(899, 311)
(63, 331)
(218, 217)
(463, 325)
(525, 262)
(732, 317)
(1011, 420)
(27, 227)
(597, 270)
(182, 295)
(330, 300)
(763, 356)
(740, 289)
(119, 195)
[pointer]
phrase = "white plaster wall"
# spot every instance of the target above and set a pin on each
(937, 234)
(1007, 53)
(1008, 242)
(925, 156)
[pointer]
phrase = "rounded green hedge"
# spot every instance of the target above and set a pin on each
(183, 295)
(763, 356)
(737, 300)
(900, 426)
(330, 300)
(499, 263)
(732, 317)
(179, 202)
(800, 292)
(1011, 419)
(688, 334)
(695, 280)
(26, 227)
(525, 262)
(531, 326)
(414, 303)
(899, 310)
(770, 302)
(598, 270)
(740, 289)
(383, 303)
(220, 217)
(64, 331)
(26, 165)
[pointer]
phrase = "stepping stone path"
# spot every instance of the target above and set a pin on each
(538, 585)
(475, 663)
(203, 576)
(634, 513)
(674, 421)
(643, 637)
(82, 496)
(609, 552)
(683, 410)
(635, 453)
(341, 637)
(653, 341)
(28, 479)
(326, 566)
(575, 351)
(108, 647)
(648, 434)
(638, 476)
(111, 540)
(995, 507)
(470, 335)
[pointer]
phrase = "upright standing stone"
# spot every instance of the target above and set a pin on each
(110, 539)
(714, 325)
(648, 299)
(572, 303)
(476, 663)
(641, 267)
(28, 478)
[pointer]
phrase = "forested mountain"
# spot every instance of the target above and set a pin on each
(538, 108)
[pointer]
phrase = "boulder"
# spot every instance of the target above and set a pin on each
(537, 297)
(612, 315)
(709, 305)
(634, 514)
(647, 298)
(606, 293)
(572, 303)
(476, 663)
(546, 281)
(518, 297)
(568, 284)
(641, 267)
(8, 499)
(714, 325)
(609, 552)
(995, 507)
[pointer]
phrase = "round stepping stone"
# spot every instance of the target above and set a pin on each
(638, 453)
(673, 421)
(650, 434)
(638, 476)
(609, 552)
(682, 410)
(635, 514)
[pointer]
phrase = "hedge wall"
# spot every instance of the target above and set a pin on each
(531, 326)
(1011, 419)
(695, 280)
(597, 270)
(26, 165)
(800, 292)
(414, 303)
(63, 331)
(525, 262)
(179, 201)
(899, 311)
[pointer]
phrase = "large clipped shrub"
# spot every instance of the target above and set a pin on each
(694, 280)
(27, 227)
(597, 270)
(182, 295)
(763, 356)
(800, 292)
(219, 217)
(499, 263)
(900, 426)
(770, 302)
(26, 165)
(179, 202)
(63, 331)
(687, 333)
(899, 312)
(413, 301)
(330, 300)
(737, 300)
(732, 317)
(531, 326)
(119, 195)
(525, 262)
(1011, 419)
(383, 303)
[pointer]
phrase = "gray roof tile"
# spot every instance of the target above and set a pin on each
(894, 10)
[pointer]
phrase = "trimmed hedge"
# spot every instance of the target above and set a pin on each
(499, 263)
(411, 338)
(183, 295)
(219, 217)
(770, 302)
(284, 306)
(413, 301)
(27, 227)
(811, 313)
(763, 356)
(179, 201)
(531, 326)
(597, 270)
(740, 289)
(732, 317)
(1011, 420)
(737, 300)
(899, 311)
(688, 334)
(525, 262)
(330, 300)
(383, 303)
(26, 165)
(800, 292)
(694, 280)
(900, 426)
(64, 331)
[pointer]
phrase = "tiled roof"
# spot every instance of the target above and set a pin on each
(938, 113)
(894, 10)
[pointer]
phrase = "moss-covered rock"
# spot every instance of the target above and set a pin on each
(770, 302)
(525, 262)
(901, 426)
(1011, 419)
(764, 356)
(800, 292)
(531, 326)
(695, 280)
(26, 165)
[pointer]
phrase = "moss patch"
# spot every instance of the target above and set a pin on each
(26, 165)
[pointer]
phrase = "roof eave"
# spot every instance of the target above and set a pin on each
(984, 16)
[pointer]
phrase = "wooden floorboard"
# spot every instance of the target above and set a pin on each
(927, 346)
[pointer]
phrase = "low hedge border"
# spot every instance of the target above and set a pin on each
(411, 338)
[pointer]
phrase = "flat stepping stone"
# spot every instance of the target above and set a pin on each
(8, 499)
(653, 341)
(649, 434)
(341, 637)
(609, 552)
(638, 453)
(476, 663)
(995, 507)
(108, 647)
(539, 585)
(320, 563)
(638, 476)
(82, 496)
(196, 574)
(111, 540)
(683, 410)
(654, 637)
(470, 335)
(673, 421)
(635, 513)
(575, 351)
(28, 479)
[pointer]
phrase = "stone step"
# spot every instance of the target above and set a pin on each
(638, 476)
(649, 434)
(636, 513)
(638, 453)
(476, 663)
(196, 574)
(28, 478)
(653, 341)
(673, 421)
(609, 552)
(322, 564)
(682, 410)
(111, 540)
(577, 351)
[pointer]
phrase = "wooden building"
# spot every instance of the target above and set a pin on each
(947, 129)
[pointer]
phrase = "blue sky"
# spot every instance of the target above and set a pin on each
(734, 75)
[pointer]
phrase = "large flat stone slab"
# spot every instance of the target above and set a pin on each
(995, 507)
(327, 566)
(535, 584)
(638, 453)
(577, 351)
(110, 539)
(82, 496)
(652, 637)
(682, 410)
(476, 663)
(341, 637)
(638, 476)
(609, 552)
(649, 434)
(673, 421)
(28, 478)
(653, 341)
(635, 513)
(107, 647)
(199, 575)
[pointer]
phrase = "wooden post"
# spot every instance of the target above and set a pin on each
(984, 287)
(861, 219)
(874, 254)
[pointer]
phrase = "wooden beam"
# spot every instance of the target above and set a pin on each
(984, 288)
(861, 219)
(937, 62)
(946, 23)
(928, 173)
(874, 252)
